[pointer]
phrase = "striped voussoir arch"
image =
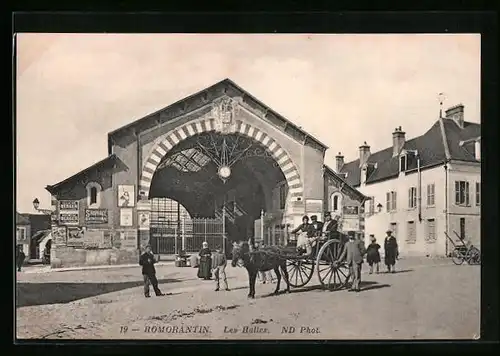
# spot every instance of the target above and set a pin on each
(179, 134)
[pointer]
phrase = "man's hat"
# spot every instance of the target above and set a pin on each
(388, 231)
(328, 214)
(305, 217)
(313, 217)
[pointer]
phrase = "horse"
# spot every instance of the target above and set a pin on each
(260, 261)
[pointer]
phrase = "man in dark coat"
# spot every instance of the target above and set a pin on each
(318, 225)
(147, 261)
(330, 227)
(20, 256)
(391, 251)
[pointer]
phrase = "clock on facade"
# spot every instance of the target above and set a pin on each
(224, 172)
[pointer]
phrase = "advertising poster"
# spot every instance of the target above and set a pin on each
(69, 212)
(126, 217)
(96, 216)
(144, 220)
(126, 196)
(128, 239)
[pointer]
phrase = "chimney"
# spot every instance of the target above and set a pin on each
(364, 153)
(398, 141)
(456, 113)
(339, 160)
(477, 149)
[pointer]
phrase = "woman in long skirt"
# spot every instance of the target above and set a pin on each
(204, 270)
(372, 254)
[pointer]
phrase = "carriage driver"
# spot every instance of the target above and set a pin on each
(305, 238)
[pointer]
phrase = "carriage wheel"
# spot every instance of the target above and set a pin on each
(473, 256)
(331, 276)
(299, 272)
(457, 256)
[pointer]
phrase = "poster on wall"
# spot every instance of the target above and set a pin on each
(76, 236)
(351, 210)
(126, 217)
(350, 224)
(59, 235)
(314, 206)
(144, 219)
(69, 212)
(126, 196)
(96, 216)
(128, 239)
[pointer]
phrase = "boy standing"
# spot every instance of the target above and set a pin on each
(219, 263)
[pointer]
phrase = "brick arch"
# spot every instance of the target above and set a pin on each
(290, 171)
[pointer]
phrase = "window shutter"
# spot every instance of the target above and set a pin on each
(467, 200)
(409, 198)
(394, 201)
(388, 201)
(457, 193)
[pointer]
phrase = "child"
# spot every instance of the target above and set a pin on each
(219, 263)
(372, 254)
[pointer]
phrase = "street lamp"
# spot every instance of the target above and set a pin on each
(441, 99)
(379, 207)
(36, 205)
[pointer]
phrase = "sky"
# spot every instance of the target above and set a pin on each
(72, 89)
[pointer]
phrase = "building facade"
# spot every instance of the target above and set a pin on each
(221, 153)
(423, 188)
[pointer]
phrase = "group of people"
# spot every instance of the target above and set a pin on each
(311, 232)
(213, 263)
(209, 263)
(353, 252)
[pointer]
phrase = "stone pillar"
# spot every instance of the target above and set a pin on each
(143, 222)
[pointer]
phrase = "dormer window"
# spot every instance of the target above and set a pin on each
(403, 162)
(93, 195)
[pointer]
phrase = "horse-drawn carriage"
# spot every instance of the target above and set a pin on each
(463, 252)
(298, 269)
(332, 274)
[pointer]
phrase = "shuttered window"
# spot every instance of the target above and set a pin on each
(430, 233)
(411, 232)
(461, 193)
(412, 197)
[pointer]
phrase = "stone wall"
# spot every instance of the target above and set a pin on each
(62, 256)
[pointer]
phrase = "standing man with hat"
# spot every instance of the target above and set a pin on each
(147, 261)
(353, 252)
(391, 251)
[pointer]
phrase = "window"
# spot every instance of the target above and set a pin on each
(283, 194)
(371, 206)
(430, 194)
(462, 228)
(336, 203)
(478, 193)
(402, 163)
(391, 201)
(93, 195)
(411, 232)
(461, 193)
(412, 197)
(20, 233)
(430, 234)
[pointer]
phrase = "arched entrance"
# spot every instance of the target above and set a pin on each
(217, 166)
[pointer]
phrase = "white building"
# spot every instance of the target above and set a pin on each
(423, 187)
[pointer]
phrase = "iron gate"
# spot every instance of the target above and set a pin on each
(186, 234)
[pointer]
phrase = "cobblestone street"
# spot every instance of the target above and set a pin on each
(425, 299)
